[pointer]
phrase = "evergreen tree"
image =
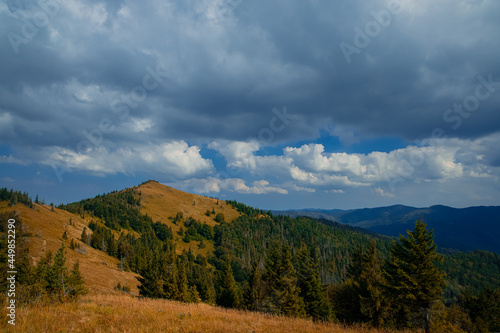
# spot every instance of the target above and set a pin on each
(169, 268)
(255, 291)
(284, 298)
(309, 283)
(413, 280)
(57, 277)
(76, 284)
(182, 281)
(194, 295)
(228, 294)
(84, 236)
(151, 283)
(370, 284)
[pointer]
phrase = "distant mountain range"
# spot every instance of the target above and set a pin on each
(464, 229)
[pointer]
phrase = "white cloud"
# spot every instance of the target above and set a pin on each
(174, 159)
(216, 185)
(381, 192)
(238, 154)
(12, 159)
(310, 167)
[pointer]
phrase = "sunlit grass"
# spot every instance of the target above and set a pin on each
(123, 313)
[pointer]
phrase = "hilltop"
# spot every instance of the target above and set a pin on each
(162, 203)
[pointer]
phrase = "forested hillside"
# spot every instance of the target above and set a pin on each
(297, 267)
(464, 229)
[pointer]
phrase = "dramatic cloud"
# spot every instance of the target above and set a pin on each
(317, 98)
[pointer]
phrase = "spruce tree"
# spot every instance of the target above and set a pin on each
(228, 294)
(76, 284)
(284, 298)
(309, 283)
(57, 276)
(84, 235)
(169, 269)
(255, 291)
(413, 280)
(151, 283)
(182, 282)
(370, 284)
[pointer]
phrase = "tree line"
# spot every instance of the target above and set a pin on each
(298, 267)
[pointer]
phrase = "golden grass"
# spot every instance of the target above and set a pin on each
(162, 202)
(123, 313)
(100, 271)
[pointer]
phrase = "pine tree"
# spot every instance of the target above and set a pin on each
(228, 295)
(255, 291)
(151, 284)
(194, 295)
(310, 285)
(76, 284)
(370, 284)
(413, 280)
(57, 277)
(284, 298)
(182, 282)
(84, 235)
(64, 235)
(169, 269)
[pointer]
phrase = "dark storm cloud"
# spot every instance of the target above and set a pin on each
(229, 63)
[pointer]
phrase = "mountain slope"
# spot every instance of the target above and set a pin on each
(464, 229)
(162, 203)
(46, 225)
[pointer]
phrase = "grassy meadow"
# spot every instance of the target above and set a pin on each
(119, 312)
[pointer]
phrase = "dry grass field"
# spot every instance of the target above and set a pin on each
(123, 313)
(46, 227)
(162, 203)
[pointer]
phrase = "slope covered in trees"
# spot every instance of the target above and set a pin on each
(295, 267)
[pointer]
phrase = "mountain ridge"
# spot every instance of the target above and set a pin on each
(465, 229)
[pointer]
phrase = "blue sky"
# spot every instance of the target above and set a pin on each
(282, 104)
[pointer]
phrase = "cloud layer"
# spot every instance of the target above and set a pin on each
(239, 96)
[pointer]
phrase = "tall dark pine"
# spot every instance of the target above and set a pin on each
(228, 294)
(284, 295)
(151, 279)
(370, 283)
(309, 283)
(255, 292)
(413, 280)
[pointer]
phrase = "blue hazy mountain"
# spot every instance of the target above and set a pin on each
(464, 229)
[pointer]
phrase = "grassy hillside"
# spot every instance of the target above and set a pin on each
(45, 226)
(162, 203)
(121, 313)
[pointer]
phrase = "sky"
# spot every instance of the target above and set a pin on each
(283, 104)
